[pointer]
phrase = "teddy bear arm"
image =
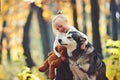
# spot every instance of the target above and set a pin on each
(54, 64)
(44, 67)
(50, 53)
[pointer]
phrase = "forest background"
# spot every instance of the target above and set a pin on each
(26, 34)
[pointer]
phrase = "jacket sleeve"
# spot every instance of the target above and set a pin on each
(83, 35)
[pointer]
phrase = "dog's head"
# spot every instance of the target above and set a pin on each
(73, 40)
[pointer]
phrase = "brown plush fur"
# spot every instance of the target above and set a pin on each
(53, 61)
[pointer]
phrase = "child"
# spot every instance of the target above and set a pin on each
(60, 23)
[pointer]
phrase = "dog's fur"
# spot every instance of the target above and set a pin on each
(85, 64)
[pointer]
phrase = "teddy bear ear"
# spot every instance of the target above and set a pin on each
(56, 48)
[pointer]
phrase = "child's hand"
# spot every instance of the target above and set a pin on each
(83, 46)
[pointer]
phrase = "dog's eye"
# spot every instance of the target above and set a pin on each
(69, 37)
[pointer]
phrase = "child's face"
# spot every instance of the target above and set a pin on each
(61, 25)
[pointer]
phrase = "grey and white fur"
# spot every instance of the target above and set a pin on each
(85, 64)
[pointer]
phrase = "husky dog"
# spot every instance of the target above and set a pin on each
(85, 64)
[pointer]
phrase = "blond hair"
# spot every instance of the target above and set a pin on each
(59, 15)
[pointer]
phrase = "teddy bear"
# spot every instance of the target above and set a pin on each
(53, 61)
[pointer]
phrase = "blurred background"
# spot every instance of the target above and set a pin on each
(26, 34)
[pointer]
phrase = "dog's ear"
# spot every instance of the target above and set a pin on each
(82, 40)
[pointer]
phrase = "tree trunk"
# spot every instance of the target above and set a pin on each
(108, 25)
(26, 40)
(113, 9)
(84, 17)
(4, 36)
(44, 30)
(95, 26)
(73, 2)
